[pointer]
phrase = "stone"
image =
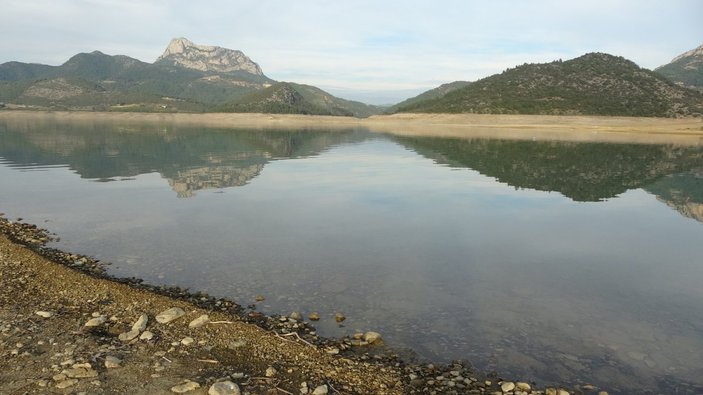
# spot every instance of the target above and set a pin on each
(112, 362)
(296, 316)
(200, 321)
(314, 316)
(562, 392)
(372, 337)
(224, 388)
(270, 371)
(259, 298)
(187, 341)
(339, 317)
(320, 390)
(140, 325)
(507, 386)
(44, 314)
(304, 388)
(66, 383)
(146, 335)
(523, 386)
(97, 321)
(128, 336)
(169, 315)
(80, 372)
(550, 391)
(185, 387)
(59, 377)
(602, 393)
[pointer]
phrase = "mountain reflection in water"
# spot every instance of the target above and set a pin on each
(549, 261)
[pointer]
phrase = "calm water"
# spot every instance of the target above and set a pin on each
(552, 262)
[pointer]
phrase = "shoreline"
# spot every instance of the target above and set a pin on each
(680, 131)
(43, 331)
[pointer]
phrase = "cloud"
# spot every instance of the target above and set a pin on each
(360, 45)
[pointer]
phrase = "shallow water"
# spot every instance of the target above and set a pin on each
(551, 262)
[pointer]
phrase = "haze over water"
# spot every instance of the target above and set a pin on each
(551, 262)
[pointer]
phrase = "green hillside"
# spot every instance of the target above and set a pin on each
(290, 98)
(431, 94)
(686, 69)
(593, 84)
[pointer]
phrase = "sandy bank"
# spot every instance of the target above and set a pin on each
(687, 131)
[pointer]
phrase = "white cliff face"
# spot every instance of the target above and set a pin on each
(183, 52)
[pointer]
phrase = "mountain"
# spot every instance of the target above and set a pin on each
(685, 69)
(186, 77)
(431, 94)
(291, 98)
(593, 84)
(182, 52)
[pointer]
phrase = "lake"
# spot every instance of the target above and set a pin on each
(554, 262)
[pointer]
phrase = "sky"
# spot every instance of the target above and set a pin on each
(378, 51)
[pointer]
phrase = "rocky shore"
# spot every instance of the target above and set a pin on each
(68, 327)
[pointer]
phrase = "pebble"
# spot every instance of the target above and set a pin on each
(140, 325)
(185, 387)
(562, 392)
(112, 362)
(200, 321)
(146, 335)
(224, 388)
(128, 336)
(80, 372)
(523, 386)
(320, 390)
(372, 337)
(97, 321)
(259, 298)
(314, 316)
(339, 317)
(187, 341)
(602, 393)
(296, 316)
(45, 314)
(270, 371)
(169, 315)
(507, 386)
(66, 383)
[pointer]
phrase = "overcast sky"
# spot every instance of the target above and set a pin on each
(376, 51)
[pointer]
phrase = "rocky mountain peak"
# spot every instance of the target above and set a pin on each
(696, 53)
(183, 52)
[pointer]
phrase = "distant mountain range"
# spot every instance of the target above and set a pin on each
(189, 77)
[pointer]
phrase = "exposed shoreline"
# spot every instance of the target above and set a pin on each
(682, 131)
(47, 296)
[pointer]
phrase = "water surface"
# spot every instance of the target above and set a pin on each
(548, 261)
